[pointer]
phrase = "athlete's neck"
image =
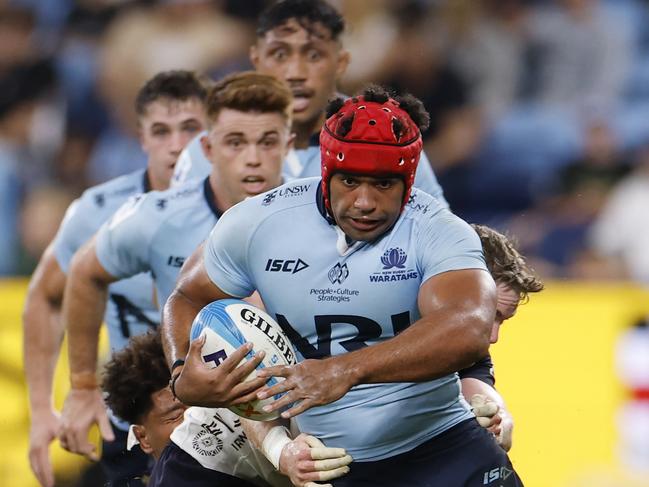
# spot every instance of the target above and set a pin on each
(156, 184)
(304, 131)
(220, 200)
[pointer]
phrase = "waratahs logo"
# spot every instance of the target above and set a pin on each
(394, 258)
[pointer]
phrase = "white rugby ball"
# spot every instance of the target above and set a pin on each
(230, 323)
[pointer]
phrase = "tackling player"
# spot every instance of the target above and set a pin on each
(393, 297)
(299, 42)
(515, 280)
(208, 447)
(170, 109)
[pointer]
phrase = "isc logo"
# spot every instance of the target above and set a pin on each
(290, 265)
(499, 473)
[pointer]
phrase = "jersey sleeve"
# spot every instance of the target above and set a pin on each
(448, 243)
(72, 234)
(122, 243)
(426, 181)
(483, 370)
(226, 252)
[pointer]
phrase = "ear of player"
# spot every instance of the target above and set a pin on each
(228, 324)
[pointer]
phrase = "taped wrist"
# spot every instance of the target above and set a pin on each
(83, 380)
(274, 442)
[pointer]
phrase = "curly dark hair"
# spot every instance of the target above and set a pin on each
(133, 374)
(380, 94)
(307, 13)
(175, 85)
(506, 264)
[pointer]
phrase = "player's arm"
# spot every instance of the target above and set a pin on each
(490, 410)
(304, 460)
(86, 293)
(457, 311)
(43, 333)
(194, 383)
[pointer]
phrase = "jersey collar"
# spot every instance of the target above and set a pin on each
(314, 140)
(209, 198)
(146, 183)
(320, 204)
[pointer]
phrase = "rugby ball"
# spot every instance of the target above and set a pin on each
(230, 323)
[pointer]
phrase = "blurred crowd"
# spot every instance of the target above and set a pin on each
(540, 109)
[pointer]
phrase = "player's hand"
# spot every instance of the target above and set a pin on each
(82, 409)
(306, 460)
(44, 429)
(200, 385)
(496, 420)
(307, 384)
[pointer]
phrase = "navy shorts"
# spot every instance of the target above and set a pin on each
(464, 456)
(121, 467)
(176, 467)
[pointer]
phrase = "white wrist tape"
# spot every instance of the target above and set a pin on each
(276, 439)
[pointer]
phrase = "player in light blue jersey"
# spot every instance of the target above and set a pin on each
(249, 136)
(391, 297)
(299, 42)
(170, 112)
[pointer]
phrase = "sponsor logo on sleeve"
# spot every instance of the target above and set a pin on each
(286, 192)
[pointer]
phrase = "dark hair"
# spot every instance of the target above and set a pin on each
(24, 83)
(175, 85)
(250, 91)
(307, 13)
(376, 93)
(133, 374)
(506, 264)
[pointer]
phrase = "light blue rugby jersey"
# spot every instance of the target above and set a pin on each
(282, 244)
(130, 309)
(300, 163)
(156, 232)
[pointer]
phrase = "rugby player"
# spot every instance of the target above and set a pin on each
(393, 298)
(208, 447)
(299, 42)
(170, 110)
(248, 138)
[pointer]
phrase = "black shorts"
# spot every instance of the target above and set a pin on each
(467, 455)
(176, 467)
(121, 467)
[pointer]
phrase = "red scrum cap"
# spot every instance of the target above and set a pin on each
(370, 138)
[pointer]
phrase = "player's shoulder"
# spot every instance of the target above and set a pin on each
(433, 219)
(112, 194)
(254, 212)
(423, 206)
(296, 193)
(165, 204)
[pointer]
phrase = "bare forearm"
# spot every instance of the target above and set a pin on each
(425, 351)
(178, 314)
(83, 313)
(43, 333)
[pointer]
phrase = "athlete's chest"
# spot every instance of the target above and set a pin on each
(338, 302)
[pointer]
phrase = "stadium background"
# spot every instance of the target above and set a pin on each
(540, 128)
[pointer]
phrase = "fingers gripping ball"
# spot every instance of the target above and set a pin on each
(230, 323)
